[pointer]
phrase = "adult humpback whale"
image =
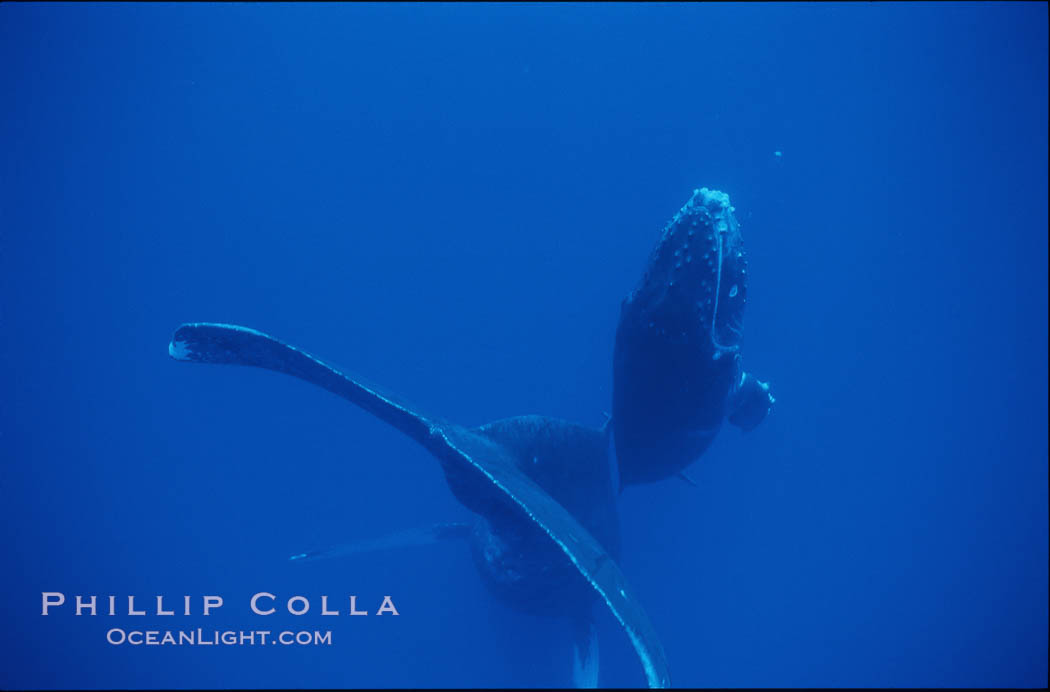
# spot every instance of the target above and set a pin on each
(548, 536)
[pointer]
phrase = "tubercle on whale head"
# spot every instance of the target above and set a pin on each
(730, 288)
(697, 267)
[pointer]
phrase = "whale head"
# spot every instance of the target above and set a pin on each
(676, 357)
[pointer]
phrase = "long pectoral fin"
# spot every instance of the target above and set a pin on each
(582, 549)
(204, 342)
(472, 463)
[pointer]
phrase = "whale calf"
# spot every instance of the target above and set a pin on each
(677, 370)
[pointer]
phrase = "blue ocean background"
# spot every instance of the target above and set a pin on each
(451, 200)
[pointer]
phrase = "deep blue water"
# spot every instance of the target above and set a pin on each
(452, 200)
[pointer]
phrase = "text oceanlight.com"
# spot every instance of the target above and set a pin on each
(202, 637)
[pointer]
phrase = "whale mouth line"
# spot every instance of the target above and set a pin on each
(719, 347)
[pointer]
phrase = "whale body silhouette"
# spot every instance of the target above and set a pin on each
(547, 538)
(676, 364)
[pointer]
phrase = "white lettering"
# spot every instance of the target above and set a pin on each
(255, 599)
(160, 607)
(387, 607)
(132, 611)
(49, 601)
(212, 602)
(293, 611)
(84, 606)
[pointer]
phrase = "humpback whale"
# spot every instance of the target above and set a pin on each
(545, 490)
(548, 535)
(676, 361)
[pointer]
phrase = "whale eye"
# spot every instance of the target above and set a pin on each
(733, 291)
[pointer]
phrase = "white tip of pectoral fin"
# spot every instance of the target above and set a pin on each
(585, 659)
(178, 350)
